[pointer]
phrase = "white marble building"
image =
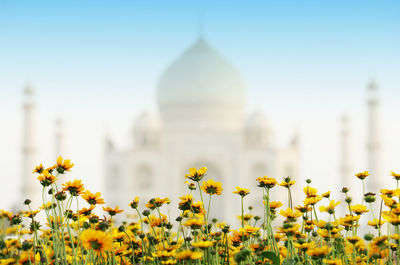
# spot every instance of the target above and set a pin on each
(201, 122)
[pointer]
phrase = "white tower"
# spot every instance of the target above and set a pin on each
(345, 167)
(373, 144)
(59, 133)
(30, 185)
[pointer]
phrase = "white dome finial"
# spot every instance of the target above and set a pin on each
(201, 24)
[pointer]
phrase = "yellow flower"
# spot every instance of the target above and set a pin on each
(188, 255)
(222, 225)
(362, 175)
(290, 229)
(157, 202)
(317, 253)
(197, 207)
(246, 217)
(304, 246)
(290, 214)
(392, 218)
(309, 225)
(312, 200)
(46, 179)
(326, 194)
(48, 206)
(196, 175)
(396, 176)
(134, 204)
(249, 230)
(31, 214)
(353, 239)
(242, 192)
(185, 202)
(396, 210)
(38, 169)
(96, 240)
(63, 165)
(324, 233)
(190, 185)
(164, 254)
(310, 192)
(377, 253)
(203, 244)
(75, 188)
(388, 193)
(155, 221)
(274, 205)
(28, 258)
(112, 211)
(266, 182)
(303, 208)
(287, 182)
(194, 223)
(93, 198)
(330, 208)
(376, 223)
(5, 214)
(86, 211)
(380, 240)
(211, 187)
(349, 221)
(359, 209)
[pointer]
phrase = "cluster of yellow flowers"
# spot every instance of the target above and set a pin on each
(75, 235)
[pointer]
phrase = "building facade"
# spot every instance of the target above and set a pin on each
(201, 122)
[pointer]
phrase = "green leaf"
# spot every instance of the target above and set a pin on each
(271, 256)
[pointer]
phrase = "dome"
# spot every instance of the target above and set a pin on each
(257, 120)
(147, 121)
(202, 77)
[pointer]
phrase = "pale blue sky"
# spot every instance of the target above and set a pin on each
(96, 63)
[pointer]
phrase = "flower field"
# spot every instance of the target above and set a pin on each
(287, 232)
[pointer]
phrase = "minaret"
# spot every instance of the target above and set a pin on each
(59, 134)
(30, 185)
(345, 169)
(373, 145)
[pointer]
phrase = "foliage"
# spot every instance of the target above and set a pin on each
(69, 234)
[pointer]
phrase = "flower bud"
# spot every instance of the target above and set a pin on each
(368, 237)
(369, 197)
(146, 213)
(344, 190)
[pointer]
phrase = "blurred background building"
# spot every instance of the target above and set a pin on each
(201, 122)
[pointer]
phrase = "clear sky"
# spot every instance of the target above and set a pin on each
(97, 63)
